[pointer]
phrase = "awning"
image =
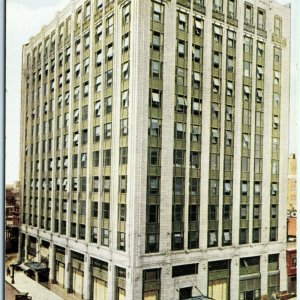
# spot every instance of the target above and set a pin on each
(36, 266)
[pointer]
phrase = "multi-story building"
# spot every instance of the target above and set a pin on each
(292, 183)
(154, 148)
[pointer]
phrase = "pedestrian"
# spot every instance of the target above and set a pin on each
(8, 271)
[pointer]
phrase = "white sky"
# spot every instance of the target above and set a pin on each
(24, 18)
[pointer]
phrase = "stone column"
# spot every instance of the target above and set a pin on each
(235, 277)
(87, 278)
(68, 270)
(51, 263)
(264, 275)
(111, 282)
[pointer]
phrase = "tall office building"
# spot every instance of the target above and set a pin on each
(155, 148)
(292, 183)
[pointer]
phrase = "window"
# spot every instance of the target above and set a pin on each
(84, 113)
(105, 237)
(75, 138)
(247, 69)
(181, 104)
(226, 212)
(276, 77)
(212, 238)
(125, 71)
(98, 84)
(276, 100)
(125, 42)
(247, 44)
(257, 188)
(109, 25)
(153, 185)
(86, 64)
(83, 160)
(196, 106)
(216, 85)
(214, 187)
(78, 17)
(98, 33)
(277, 55)
(126, 14)
(107, 131)
(245, 141)
(182, 21)
(275, 122)
(227, 187)
(244, 212)
(198, 26)
(124, 127)
(155, 69)
(179, 158)
(228, 138)
(181, 48)
(274, 188)
(121, 241)
(77, 47)
(248, 14)
(260, 49)
(228, 163)
(88, 11)
(179, 131)
(96, 134)
(96, 159)
(84, 136)
(77, 70)
(229, 89)
(95, 184)
(231, 10)
(273, 234)
(74, 184)
(260, 73)
(230, 63)
(259, 95)
(122, 184)
(196, 53)
(97, 109)
(247, 93)
(217, 34)
(215, 110)
(261, 20)
(86, 89)
(244, 188)
(155, 98)
(109, 78)
(243, 236)
(214, 136)
(245, 164)
(214, 161)
(217, 6)
(196, 80)
(217, 59)
(154, 156)
(109, 52)
(157, 12)
(87, 41)
(99, 4)
(156, 40)
(124, 99)
(108, 105)
(177, 213)
(106, 184)
(195, 133)
(106, 157)
(256, 211)
(76, 93)
(105, 210)
(229, 113)
(154, 127)
(75, 161)
(122, 212)
(123, 155)
(275, 167)
(180, 76)
(277, 26)
(231, 38)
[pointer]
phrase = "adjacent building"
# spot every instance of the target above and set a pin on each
(12, 217)
(154, 149)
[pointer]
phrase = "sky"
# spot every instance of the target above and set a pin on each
(24, 18)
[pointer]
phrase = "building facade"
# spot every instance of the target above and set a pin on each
(154, 149)
(292, 183)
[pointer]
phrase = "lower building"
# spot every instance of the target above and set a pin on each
(291, 263)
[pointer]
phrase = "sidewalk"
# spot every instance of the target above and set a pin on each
(24, 284)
